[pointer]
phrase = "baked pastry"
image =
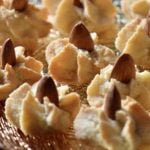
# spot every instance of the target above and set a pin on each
(128, 81)
(117, 125)
(39, 110)
(76, 60)
(134, 39)
(132, 8)
(23, 24)
(16, 68)
(97, 15)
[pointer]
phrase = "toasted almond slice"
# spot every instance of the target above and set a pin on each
(8, 54)
(112, 102)
(20, 5)
(81, 37)
(46, 87)
(124, 69)
(77, 3)
(147, 25)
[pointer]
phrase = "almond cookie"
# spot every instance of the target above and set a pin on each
(23, 23)
(128, 81)
(76, 60)
(134, 39)
(16, 68)
(120, 124)
(40, 110)
(132, 8)
(97, 15)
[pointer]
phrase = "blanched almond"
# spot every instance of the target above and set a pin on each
(112, 102)
(124, 69)
(8, 54)
(46, 87)
(81, 37)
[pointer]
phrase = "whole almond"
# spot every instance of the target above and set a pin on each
(77, 3)
(46, 87)
(124, 69)
(19, 5)
(81, 37)
(8, 54)
(147, 25)
(112, 102)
